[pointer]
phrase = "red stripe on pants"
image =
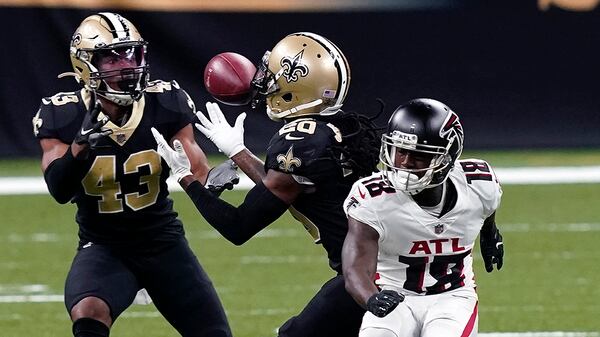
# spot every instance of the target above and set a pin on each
(471, 323)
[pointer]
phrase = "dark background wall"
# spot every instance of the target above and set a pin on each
(518, 77)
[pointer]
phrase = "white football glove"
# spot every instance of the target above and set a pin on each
(229, 140)
(175, 158)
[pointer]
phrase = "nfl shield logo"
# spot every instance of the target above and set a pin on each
(438, 229)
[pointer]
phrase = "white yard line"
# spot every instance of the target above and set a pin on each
(548, 175)
(507, 176)
(270, 259)
(31, 298)
(14, 238)
(551, 227)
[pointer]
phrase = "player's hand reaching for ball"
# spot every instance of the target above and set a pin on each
(229, 140)
(222, 177)
(175, 158)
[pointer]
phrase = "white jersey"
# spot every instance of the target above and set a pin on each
(418, 252)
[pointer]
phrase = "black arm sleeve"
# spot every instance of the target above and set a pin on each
(63, 177)
(259, 209)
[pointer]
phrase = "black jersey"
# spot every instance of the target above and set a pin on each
(123, 196)
(303, 148)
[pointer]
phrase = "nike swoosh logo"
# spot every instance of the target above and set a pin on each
(85, 132)
(362, 195)
(290, 137)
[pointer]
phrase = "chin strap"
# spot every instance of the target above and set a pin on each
(119, 99)
(325, 112)
(332, 110)
(288, 112)
(408, 182)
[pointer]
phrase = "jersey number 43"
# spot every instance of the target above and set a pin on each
(101, 180)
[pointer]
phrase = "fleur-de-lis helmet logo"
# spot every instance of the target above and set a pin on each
(288, 161)
(293, 67)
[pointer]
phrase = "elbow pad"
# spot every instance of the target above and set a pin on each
(238, 224)
(63, 177)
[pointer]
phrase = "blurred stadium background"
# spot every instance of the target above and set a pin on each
(523, 76)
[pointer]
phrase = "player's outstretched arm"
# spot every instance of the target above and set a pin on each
(250, 164)
(198, 161)
(491, 244)
(230, 140)
(175, 157)
(237, 224)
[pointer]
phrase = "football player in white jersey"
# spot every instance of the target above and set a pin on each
(412, 228)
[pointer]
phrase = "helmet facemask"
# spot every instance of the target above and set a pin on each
(413, 180)
(130, 82)
(264, 83)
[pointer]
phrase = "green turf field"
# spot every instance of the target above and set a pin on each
(548, 282)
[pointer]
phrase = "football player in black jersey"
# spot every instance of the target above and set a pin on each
(99, 153)
(310, 166)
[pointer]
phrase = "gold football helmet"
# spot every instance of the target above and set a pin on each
(304, 74)
(110, 35)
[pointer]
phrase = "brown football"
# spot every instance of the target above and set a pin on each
(227, 78)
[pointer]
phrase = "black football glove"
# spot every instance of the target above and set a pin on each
(222, 177)
(384, 302)
(92, 129)
(492, 249)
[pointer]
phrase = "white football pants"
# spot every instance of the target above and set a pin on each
(450, 314)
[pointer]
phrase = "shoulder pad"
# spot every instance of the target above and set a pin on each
(359, 203)
(309, 129)
(58, 114)
(170, 96)
(481, 179)
(373, 186)
(301, 147)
